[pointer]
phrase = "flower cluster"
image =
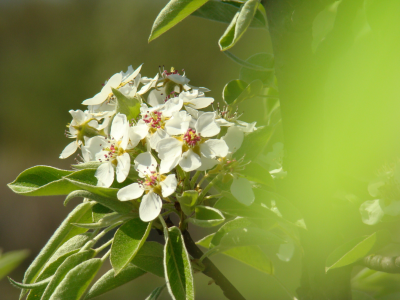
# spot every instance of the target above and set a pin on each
(155, 131)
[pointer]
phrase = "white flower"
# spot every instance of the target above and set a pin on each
(195, 99)
(191, 148)
(115, 152)
(82, 124)
(155, 185)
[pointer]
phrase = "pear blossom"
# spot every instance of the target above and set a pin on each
(191, 148)
(82, 124)
(154, 185)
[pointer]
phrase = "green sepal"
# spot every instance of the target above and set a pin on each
(126, 105)
(188, 201)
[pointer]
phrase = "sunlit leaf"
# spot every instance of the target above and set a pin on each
(150, 258)
(127, 106)
(10, 260)
(206, 216)
(188, 200)
(265, 60)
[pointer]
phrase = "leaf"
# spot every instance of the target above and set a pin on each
(245, 64)
(206, 216)
(233, 89)
(251, 91)
(127, 241)
(42, 181)
(99, 211)
(350, 252)
(229, 226)
(238, 25)
(126, 105)
(174, 12)
(10, 260)
(81, 213)
(205, 241)
(156, 293)
(150, 258)
(30, 285)
(107, 221)
(265, 60)
(257, 173)
(87, 165)
(234, 208)
(75, 283)
(110, 281)
(69, 264)
(178, 270)
(224, 11)
(188, 200)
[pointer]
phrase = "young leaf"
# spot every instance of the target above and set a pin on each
(156, 293)
(265, 60)
(150, 258)
(107, 221)
(238, 25)
(233, 89)
(99, 211)
(174, 12)
(81, 213)
(64, 269)
(127, 241)
(251, 91)
(127, 106)
(188, 200)
(75, 283)
(178, 270)
(10, 260)
(206, 216)
(42, 181)
(87, 165)
(110, 281)
(350, 252)
(30, 286)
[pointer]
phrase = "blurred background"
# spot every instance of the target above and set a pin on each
(55, 54)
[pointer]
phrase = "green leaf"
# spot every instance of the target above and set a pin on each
(127, 106)
(174, 12)
(257, 173)
(265, 60)
(178, 270)
(63, 270)
(248, 236)
(350, 252)
(206, 216)
(238, 25)
(150, 258)
(81, 213)
(87, 165)
(127, 241)
(251, 91)
(35, 285)
(110, 281)
(75, 283)
(206, 241)
(99, 211)
(234, 208)
(10, 260)
(224, 11)
(227, 227)
(107, 221)
(42, 181)
(233, 89)
(156, 293)
(188, 200)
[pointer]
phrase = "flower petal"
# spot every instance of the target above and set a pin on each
(78, 116)
(119, 126)
(168, 186)
(169, 148)
(213, 148)
(137, 133)
(145, 163)
(167, 165)
(148, 86)
(150, 207)
(201, 102)
(156, 97)
(105, 174)
(371, 212)
(159, 135)
(69, 150)
(242, 191)
(178, 124)
(190, 161)
(132, 191)
(206, 125)
(233, 138)
(123, 166)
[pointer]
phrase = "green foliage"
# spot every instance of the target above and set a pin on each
(188, 200)
(257, 173)
(233, 89)
(110, 281)
(174, 12)
(156, 293)
(127, 106)
(178, 270)
(265, 60)
(127, 241)
(239, 24)
(10, 260)
(206, 216)
(99, 211)
(150, 258)
(228, 226)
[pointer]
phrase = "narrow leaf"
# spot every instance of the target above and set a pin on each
(75, 283)
(206, 216)
(10, 260)
(233, 89)
(99, 211)
(174, 12)
(30, 285)
(127, 106)
(150, 258)
(107, 221)
(110, 281)
(87, 165)
(127, 241)
(156, 293)
(178, 270)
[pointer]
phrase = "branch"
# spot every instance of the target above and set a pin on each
(388, 264)
(211, 270)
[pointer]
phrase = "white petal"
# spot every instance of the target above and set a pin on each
(199, 103)
(95, 100)
(137, 133)
(178, 124)
(168, 186)
(169, 148)
(145, 163)
(78, 116)
(167, 165)
(206, 125)
(213, 148)
(156, 137)
(171, 106)
(371, 212)
(113, 82)
(132, 191)
(119, 126)
(190, 161)
(105, 174)
(156, 97)
(179, 79)
(246, 127)
(148, 86)
(132, 75)
(150, 207)
(123, 166)
(69, 150)
(94, 145)
(242, 191)
(207, 163)
(233, 138)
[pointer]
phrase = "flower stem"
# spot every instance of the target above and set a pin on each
(94, 240)
(194, 179)
(208, 187)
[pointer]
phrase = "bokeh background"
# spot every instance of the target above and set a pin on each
(55, 54)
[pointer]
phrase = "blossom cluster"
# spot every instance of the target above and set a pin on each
(152, 129)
